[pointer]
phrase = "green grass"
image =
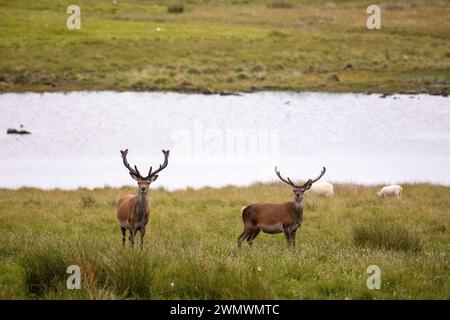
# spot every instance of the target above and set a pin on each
(190, 247)
(386, 236)
(297, 47)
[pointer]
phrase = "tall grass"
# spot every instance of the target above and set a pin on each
(387, 236)
(135, 274)
(190, 247)
(44, 268)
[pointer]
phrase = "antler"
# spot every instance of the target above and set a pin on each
(288, 181)
(161, 166)
(134, 171)
(309, 183)
(306, 185)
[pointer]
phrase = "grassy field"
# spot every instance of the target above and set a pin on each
(190, 250)
(222, 46)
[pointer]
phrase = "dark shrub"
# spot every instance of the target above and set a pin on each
(175, 8)
(280, 4)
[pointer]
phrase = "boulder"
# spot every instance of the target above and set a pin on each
(15, 131)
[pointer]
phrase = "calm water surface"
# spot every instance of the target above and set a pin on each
(219, 140)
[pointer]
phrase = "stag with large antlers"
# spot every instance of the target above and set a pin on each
(133, 211)
(276, 217)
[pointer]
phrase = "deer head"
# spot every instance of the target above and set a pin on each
(300, 189)
(144, 182)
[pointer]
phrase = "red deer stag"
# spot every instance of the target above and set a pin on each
(276, 217)
(133, 211)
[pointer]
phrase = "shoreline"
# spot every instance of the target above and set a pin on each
(383, 94)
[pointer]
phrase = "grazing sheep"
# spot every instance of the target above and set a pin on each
(390, 191)
(324, 189)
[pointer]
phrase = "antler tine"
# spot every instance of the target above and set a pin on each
(320, 175)
(135, 167)
(288, 181)
(127, 165)
(161, 166)
(311, 181)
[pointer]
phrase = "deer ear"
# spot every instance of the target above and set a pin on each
(154, 177)
(135, 177)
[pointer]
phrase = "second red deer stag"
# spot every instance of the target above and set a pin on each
(133, 211)
(276, 217)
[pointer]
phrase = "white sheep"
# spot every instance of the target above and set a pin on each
(390, 191)
(322, 189)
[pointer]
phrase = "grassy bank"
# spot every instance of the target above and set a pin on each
(190, 249)
(225, 46)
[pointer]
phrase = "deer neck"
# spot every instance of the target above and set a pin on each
(141, 205)
(298, 207)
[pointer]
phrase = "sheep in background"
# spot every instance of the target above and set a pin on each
(390, 191)
(324, 189)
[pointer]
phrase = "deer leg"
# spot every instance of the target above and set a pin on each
(293, 234)
(243, 235)
(287, 236)
(132, 235)
(142, 233)
(124, 231)
(252, 236)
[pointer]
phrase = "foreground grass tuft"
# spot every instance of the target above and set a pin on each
(386, 236)
(45, 268)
